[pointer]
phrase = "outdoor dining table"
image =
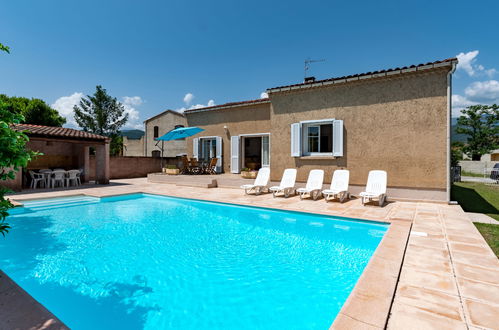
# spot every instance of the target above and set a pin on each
(47, 173)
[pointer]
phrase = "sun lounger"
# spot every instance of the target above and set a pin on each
(314, 185)
(261, 182)
(287, 185)
(376, 187)
(339, 186)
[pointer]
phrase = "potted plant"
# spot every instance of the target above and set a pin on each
(248, 173)
(171, 170)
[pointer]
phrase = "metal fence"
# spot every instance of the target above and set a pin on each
(455, 173)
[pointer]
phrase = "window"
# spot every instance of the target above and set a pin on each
(156, 131)
(156, 153)
(318, 138)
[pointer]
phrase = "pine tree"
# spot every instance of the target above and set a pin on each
(100, 113)
(481, 124)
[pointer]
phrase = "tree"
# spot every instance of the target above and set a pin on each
(34, 111)
(100, 114)
(456, 155)
(13, 156)
(481, 124)
(4, 48)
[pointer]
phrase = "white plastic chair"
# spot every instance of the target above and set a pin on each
(287, 185)
(73, 177)
(37, 178)
(58, 176)
(47, 174)
(339, 186)
(375, 188)
(314, 185)
(261, 182)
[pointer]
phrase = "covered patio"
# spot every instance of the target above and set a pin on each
(63, 148)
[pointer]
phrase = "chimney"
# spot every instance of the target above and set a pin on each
(309, 80)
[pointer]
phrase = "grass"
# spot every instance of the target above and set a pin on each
(465, 173)
(480, 198)
(491, 234)
(477, 197)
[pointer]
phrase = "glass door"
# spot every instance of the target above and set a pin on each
(208, 149)
(265, 151)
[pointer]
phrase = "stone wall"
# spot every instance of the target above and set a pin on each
(476, 166)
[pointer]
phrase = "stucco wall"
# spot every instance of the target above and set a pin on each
(240, 120)
(133, 147)
(397, 125)
(165, 122)
(132, 167)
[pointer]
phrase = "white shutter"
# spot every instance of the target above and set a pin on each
(195, 148)
(296, 140)
(338, 138)
(234, 154)
(218, 147)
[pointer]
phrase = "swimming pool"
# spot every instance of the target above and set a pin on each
(155, 262)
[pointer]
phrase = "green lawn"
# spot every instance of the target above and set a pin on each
(464, 173)
(477, 197)
(491, 235)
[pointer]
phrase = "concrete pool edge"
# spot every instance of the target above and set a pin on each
(368, 305)
(19, 310)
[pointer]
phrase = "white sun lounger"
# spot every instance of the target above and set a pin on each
(376, 187)
(339, 186)
(287, 185)
(314, 185)
(261, 182)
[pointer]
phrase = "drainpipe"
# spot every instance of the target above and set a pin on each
(449, 128)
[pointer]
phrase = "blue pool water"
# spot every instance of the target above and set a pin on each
(153, 262)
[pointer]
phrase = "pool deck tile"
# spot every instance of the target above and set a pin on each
(441, 276)
(18, 310)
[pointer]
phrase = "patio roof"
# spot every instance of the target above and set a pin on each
(59, 132)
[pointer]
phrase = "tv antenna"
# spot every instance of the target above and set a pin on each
(309, 61)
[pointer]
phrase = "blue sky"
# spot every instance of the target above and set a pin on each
(157, 55)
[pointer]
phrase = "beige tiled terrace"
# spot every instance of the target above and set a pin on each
(441, 276)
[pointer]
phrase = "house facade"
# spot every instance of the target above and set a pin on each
(133, 143)
(159, 125)
(397, 120)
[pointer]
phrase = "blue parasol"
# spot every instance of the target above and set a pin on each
(180, 133)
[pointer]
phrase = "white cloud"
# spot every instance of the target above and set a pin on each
(468, 63)
(458, 103)
(264, 95)
(188, 98)
(130, 102)
(65, 105)
(483, 91)
(210, 103)
(478, 92)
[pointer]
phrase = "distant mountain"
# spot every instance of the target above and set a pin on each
(455, 137)
(132, 134)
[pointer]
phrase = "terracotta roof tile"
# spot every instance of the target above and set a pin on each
(52, 131)
(447, 61)
(230, 104)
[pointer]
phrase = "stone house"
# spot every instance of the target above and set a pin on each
(159, 125)
(397, 120)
